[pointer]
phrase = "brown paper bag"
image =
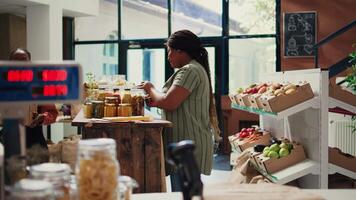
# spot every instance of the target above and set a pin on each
(243, 172)
(69, 151)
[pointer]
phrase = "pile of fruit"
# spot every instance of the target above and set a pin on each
(272, 89)
(277, 149)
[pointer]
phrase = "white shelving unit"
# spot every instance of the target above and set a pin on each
(332, 167)
(306, 123)
(337, 169)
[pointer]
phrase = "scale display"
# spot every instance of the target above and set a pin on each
(35, 82)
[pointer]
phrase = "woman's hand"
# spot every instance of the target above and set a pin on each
(147, 86)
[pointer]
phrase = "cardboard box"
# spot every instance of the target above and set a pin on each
(232, 98)
(272, 165)
(233, 143)
(253, 156)
(337, 157)
(336, 92)
(283, 101)
(243, 100)
(255, 101)
(244, 144)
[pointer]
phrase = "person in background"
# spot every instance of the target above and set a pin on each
(187, 100)
(43, 115)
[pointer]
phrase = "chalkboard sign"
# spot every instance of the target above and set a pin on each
(299, 34)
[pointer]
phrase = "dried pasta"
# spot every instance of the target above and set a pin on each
(97, 178)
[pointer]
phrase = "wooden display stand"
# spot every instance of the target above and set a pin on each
(139, 148)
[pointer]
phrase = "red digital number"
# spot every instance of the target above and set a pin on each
(54, 75)
(19, 75)
(55, 90)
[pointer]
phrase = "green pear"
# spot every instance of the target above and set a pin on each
(274, 147)
(273, 154)
(283, 152)
(266, 151)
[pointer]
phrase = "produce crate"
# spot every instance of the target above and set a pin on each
(278, 103)
(255, 101)
(232, 98)
(272, 165)
(337, 157)
(336, 92)
(245, 143)
(242, 99)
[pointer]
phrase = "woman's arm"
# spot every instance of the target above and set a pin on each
(168, 101)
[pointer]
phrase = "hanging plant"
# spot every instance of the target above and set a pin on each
(350, 79)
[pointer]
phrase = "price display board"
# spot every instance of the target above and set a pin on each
(39, 82)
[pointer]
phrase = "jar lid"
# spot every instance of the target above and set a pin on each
(32, 188)
(124, 104)
(95, 144)
(97, 102)
(53, 172)
(112, 98)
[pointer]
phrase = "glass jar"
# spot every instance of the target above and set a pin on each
(98, 109)
(126, 96)
(138, 102)
(29, 189)
(97, 169)
(88, 110)
(112, 100)
(118, 96)
(110, 110)
(127, 184)
(58, 175)
(124, 110)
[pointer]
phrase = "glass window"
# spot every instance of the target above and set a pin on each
(248, 59)
(101, 27)
(146, 65)
(211, 54)
(202, 17)
(142, 19)
(252, 17)
(93, 59)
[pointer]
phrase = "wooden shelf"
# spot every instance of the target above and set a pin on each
(293, 172)
(337, 169)
(285, 113)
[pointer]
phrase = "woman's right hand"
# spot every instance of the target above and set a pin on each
(146, 85)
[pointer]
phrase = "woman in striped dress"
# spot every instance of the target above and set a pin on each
(187, 100)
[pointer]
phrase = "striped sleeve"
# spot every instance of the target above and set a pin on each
(186, 77)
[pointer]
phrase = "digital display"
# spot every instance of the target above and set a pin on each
(39, 82)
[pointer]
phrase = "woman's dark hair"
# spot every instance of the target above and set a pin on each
(188, 42)
(14, 54)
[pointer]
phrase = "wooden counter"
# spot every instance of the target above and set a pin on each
(139, 148)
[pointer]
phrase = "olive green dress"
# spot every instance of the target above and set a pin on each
(191, 119)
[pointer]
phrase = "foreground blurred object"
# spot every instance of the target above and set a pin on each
(28, 189)
(181, 155)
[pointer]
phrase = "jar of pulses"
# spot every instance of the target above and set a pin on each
(138, 102)
(97, 169)
(56, 173)
(88, 109)
(110, 107)
(29, 189)
(98, 109)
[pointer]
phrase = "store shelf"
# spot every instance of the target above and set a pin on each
(337, 169)
(337, 103)
(293, 172)
(285, 113)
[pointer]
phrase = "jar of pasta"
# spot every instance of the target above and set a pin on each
(98, 109)
(138, 102)
(29, 189)
(56, 173)
(88, 109)
(97, 169)
(125, 110)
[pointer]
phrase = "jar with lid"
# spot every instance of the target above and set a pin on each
(127, 184)
(29, 189)
(97, 169)
(125, 110)
(58, 175)
(126, 96)
(110, 107)
(138, 102)
(88, 109)
(98, 109)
